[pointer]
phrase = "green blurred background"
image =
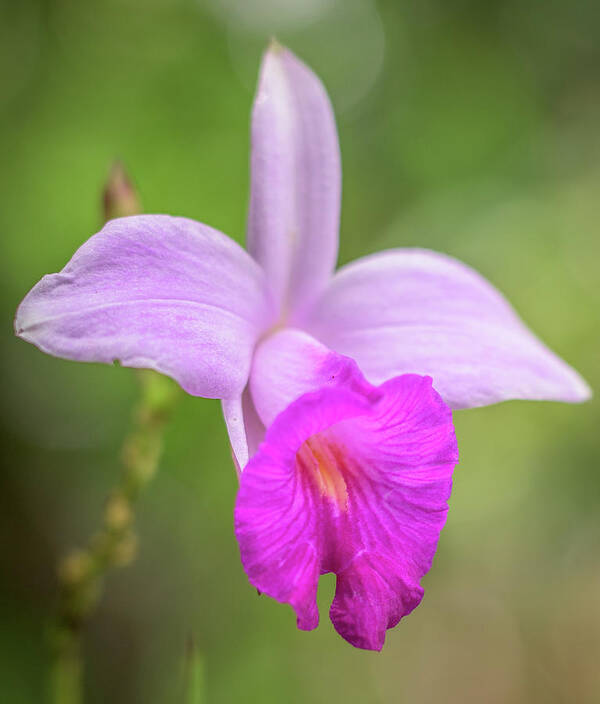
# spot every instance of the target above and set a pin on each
(466, 126)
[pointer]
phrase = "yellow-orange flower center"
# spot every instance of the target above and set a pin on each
(322, 462)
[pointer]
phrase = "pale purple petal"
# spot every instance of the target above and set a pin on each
(293, 218)
(245, 428)
(354, 480)
(155, 291)
(418, 311)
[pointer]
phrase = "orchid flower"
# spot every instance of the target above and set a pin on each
(344, 448)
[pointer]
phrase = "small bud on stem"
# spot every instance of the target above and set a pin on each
(119, 198)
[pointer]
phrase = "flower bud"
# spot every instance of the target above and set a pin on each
(119, 197)
(117, 513)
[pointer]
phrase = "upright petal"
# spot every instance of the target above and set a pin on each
(293, 218)
(418, 311)
(155, 291)
(354, 480)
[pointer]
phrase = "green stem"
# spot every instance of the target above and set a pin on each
(66, 675)
(81, 573)
(194, 676)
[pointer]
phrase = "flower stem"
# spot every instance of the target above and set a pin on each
(81, 573)
(194, 676)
